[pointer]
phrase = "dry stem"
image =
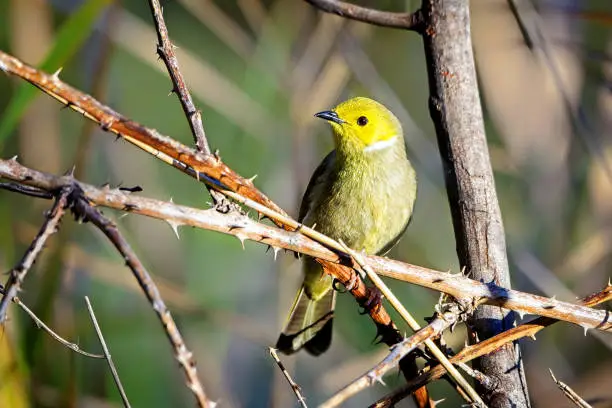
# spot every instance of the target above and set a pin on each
(165, 50)
(107, 355)
(19, 272)
(406, 21)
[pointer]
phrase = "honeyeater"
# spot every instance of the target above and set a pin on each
(362, 193)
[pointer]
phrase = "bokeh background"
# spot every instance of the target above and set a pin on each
(259, 70)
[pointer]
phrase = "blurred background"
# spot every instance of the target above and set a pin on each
(259, 70)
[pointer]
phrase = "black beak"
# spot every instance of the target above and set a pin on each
(329, 115)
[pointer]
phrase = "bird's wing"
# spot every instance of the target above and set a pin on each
(316, 184)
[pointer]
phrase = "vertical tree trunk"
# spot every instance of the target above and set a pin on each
(457, 115)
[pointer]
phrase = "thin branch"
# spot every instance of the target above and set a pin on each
(107, 355)
(205, 168)
(569, 393)
(244, 228)
(294, 386)
(414, 325)
(405, 21)
(41, 325)
(398, 351)
(19, 272)
(82, 208)
(165, 50)
(26, 190)
(484, 347)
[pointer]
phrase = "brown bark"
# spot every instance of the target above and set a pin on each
(457, 115)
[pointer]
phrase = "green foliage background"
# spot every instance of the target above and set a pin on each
(259, 70)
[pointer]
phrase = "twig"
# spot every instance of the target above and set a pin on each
(569, 393)
(242, 227)
(165, 50)
(26, 190)
(398, 351)
(414, 325)
(406, 21)
(296, 388)
(83, 209)
(19, 272)
(41, 325)
(484, 347)
(107, 355)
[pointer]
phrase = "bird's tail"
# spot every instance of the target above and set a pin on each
(309, 324)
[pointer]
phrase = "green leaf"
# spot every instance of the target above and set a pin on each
(68, 40)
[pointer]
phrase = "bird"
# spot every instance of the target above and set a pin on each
(363, 194)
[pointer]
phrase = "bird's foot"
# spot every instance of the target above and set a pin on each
(373, 302)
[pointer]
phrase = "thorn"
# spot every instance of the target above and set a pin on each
(313, 226)
(241, 238)
(380, 380)
(521, 314)
(276, 249)
(532, 337)
(586, 329)
(174, 225)
(123, 215)
(553, 298)
(172, 201)
(14, 158)
(252, 178)
(55, 75)
(435, 403)
(609, 282)
(70, 172)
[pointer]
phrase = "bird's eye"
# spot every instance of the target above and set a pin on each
(362, 121)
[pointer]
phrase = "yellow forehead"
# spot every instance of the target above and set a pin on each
(380, 124)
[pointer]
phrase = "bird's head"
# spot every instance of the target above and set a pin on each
(363, 125)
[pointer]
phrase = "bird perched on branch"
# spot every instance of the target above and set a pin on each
(362, 193)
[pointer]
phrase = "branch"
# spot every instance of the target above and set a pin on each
(406, 21)
(297, 390)
(107, 356)
(19, 272)
(244, 228)
(414, 325)
(485, 347)
(569, 393)
(399, 351)
(41, 325)
(455, 109)
(206, 168)
(84, 210)
(165, 50)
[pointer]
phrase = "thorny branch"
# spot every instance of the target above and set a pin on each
(206, 168)
(245, 228)
(19, 272)
(83, 210)
(297, 390)
(427, 333)
(165, 51)
(486, 346)
(414, 325)
(406, 21)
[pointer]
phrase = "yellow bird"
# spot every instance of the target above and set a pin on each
(362, 193)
